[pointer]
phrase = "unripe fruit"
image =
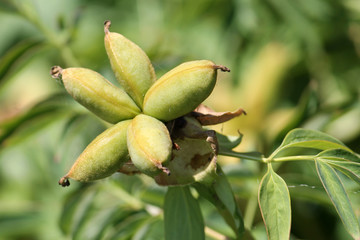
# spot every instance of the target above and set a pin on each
(149, 144)
(97, 94)
(181, 90)
(130, 64)
(102, 157)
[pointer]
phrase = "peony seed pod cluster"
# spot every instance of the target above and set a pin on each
(157, 129)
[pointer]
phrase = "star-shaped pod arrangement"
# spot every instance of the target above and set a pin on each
(157, 122)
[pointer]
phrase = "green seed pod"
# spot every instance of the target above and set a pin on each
(149, 144)
(181, 90)
(97, 94)
(130, 64)
(102, 157)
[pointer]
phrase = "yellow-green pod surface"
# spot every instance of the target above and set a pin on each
(102, 157)
(97, 94)
(181, 90)
(149, 144)
(130, 64)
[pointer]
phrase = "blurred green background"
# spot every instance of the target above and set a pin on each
(293, 64)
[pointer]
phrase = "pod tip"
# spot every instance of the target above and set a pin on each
(64, 182)
(56, 71)
(222, 68)
(165, 170)
(107, 25)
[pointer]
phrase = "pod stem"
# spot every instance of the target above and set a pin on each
(64, 182)
(222, 68)
(107, 25)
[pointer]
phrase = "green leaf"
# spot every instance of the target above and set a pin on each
(78, 131)
(74, 209)
(338, 155)
(182, 215)
(226, 143)
(350, 169)
(222, 197)
(35, 119)
(339, 197)
(13, 55)
(152, 229)
(274, 201)
(344, 161)
(127, 227)
(305, 138)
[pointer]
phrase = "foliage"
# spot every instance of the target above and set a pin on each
(294, 66)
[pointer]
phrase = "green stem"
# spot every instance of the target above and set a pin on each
(257, 157)
(246, 156)
(292, 158)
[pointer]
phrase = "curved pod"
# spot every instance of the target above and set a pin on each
(149, 144)
(131, 65)
(181, 90)
(102, 157)
(97, 94)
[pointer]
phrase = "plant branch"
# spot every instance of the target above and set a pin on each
(253, 156)
(292, 158)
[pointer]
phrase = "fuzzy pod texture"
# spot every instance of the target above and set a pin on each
(97, 94)
(149, 144)
(131, 65)
(180, 90)
(102, 157)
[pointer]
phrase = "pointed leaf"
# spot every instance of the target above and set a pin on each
(182, 215)
(339, 197)
(226, 143)
(274, 201)
(305, 138)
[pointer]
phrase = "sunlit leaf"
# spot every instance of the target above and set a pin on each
(274, 201)
(339, 197)
(305, 138)
(182, 215)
